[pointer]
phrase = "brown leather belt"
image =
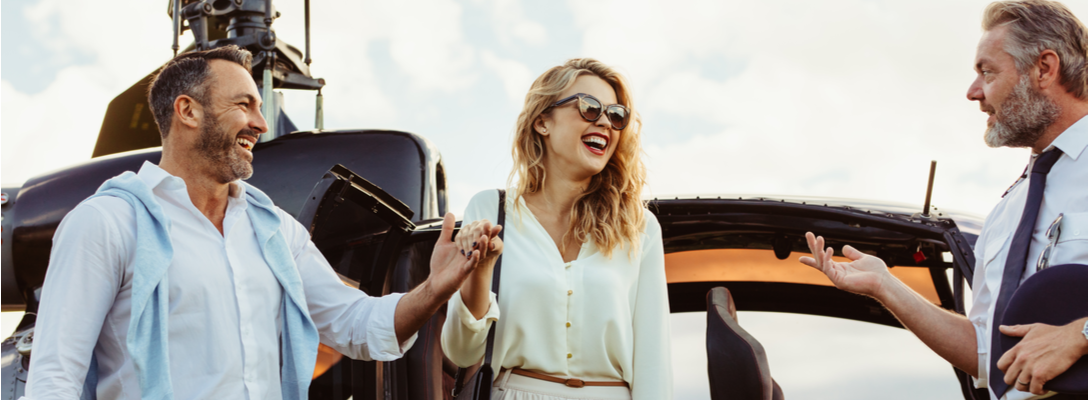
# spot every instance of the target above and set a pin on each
(574, 383)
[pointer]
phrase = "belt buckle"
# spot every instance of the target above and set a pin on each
(575, 383)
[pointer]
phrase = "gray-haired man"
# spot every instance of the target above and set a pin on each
(1033, 82)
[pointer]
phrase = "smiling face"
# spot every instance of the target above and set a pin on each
(575, 147)
(231, 124)
(1019, 112)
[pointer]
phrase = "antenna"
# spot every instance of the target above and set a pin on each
(177, 24)
(307, 11)
(270, 110)
(319, 111)
(929, 188)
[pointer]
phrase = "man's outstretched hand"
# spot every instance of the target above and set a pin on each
(449, 268)
(864, 275)
(449, 265)
(950, 335)
(1045, 352)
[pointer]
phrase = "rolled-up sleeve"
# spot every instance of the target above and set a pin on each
(652, 358)
(347, 319)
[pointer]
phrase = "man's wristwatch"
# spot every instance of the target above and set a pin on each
(1085, 330)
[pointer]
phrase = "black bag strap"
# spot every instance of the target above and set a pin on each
(495, 276)
(459, 380)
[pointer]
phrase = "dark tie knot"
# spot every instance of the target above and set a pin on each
(1045, 161)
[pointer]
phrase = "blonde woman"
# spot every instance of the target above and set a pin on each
(582, 298)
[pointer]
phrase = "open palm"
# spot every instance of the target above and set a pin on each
(864, 274)
(449, 267)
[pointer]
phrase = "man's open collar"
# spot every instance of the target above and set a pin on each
(153, 176)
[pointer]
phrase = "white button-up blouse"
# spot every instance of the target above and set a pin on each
(594, 318)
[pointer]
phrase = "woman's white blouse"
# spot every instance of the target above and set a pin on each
(595, 318)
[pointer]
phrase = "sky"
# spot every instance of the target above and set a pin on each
(841, 98)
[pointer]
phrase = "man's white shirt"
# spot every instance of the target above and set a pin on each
(224, 302)
(1066, 193)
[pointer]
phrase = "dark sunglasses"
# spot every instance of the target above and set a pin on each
(591, 110)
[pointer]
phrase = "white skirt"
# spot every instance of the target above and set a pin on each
(516, 387)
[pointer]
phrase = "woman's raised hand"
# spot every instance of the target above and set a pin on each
(479, 239)
(480, 236)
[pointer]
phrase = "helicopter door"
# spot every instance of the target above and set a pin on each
(359, 228)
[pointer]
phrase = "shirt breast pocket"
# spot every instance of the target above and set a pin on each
(1072, 244)
(994, 246)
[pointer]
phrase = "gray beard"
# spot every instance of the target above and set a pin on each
(221, 153)
(1024, 115)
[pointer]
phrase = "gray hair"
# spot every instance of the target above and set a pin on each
(188, 74)
(1038, 25)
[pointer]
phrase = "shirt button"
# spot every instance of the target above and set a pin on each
(570, 292)
(567, 265)
(568, 324)
(570, 355)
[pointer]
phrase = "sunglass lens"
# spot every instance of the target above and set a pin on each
(618, 117)
(590, 108)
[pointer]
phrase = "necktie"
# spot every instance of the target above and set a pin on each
(1017, 260)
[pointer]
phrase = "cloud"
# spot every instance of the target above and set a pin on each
(59, 125)
(509, 23)
(422, 39)
(843, 98)
(516, 77)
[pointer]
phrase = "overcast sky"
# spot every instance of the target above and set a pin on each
(845, 98)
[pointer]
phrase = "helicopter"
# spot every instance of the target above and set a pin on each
(371, 198)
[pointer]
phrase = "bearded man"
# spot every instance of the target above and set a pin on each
(181, 281)
(1033, 82)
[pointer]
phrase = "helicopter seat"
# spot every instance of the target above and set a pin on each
(736, 363)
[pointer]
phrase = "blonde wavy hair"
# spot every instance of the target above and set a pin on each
(610, 210)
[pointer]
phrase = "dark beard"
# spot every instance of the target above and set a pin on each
(221, 152)
(1024, 115)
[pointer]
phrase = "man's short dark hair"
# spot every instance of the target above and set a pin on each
(188, 74)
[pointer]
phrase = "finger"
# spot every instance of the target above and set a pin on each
(815, 246)
(1006, 360)
(1037, 385)
(811, 239)
(482, 239)
(827, 255)
(464, 238)
(448, 222)
(852, 253)
(484, 243)
(1022, 377)
(809, 261)
(1015, 330)
(495, 230)
(470, 263)
(1015, 367)
(496, 245)
(478, 229)
(485, 227)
